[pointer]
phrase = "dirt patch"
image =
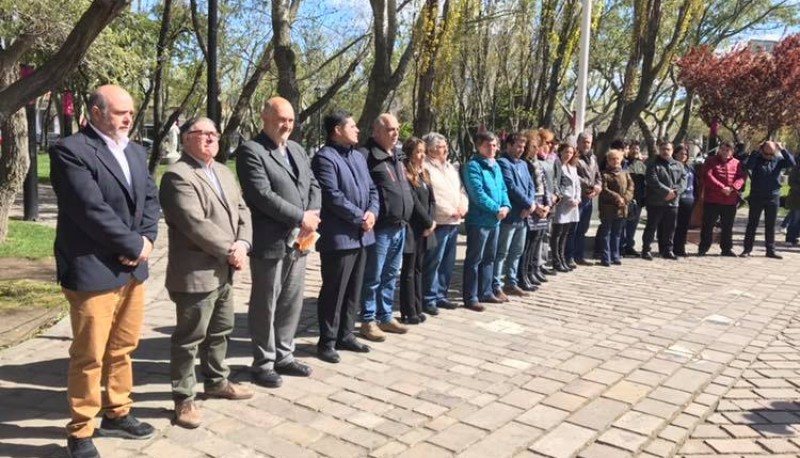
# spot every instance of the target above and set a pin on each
(24, 320)
(27, 269)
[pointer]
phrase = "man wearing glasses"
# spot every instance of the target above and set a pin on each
(209, 237)
(765, 166)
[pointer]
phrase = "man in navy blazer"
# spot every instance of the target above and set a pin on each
(107, 222)
(350, 206)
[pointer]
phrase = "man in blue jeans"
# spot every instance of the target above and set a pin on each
(591, 185)
(384, 259)
(514, 228)
(451, 207)
(488, 205)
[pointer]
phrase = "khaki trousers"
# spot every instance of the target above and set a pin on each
(105, 327)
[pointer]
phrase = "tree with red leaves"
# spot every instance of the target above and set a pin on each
(745, 89)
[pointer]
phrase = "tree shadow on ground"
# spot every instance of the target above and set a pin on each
(775, 419)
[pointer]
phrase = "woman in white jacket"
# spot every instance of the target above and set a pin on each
(566, 215)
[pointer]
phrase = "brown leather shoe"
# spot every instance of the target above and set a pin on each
(501, 295)
(371, 331)
(474, 306)
(187, 414)
(229, 390)
(514, 291)
(394, 327)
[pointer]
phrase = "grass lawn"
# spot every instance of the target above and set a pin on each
(28, 240)
(15, 294)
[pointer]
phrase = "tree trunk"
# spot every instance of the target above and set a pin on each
(382, 81)
(683, 130)
(14, 157)
(285, 58)
(433, 29)
(158, 76)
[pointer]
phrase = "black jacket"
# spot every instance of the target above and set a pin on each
(394, 191)
(661, 177)
(421, 218)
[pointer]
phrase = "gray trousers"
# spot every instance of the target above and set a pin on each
(276, 300)
(204, 322)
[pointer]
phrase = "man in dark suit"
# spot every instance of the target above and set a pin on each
(107, 222)
(284, 200)
(209, 237)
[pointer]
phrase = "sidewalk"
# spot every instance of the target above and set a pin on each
(649, 359)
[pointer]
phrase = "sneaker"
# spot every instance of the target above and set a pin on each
(81, 448)
(187, 414)
(229, 390)
(294, 369)
(393, 326)
(127, 427)
(371, 331)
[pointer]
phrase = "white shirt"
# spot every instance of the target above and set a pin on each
(212, 177)
(118, 151)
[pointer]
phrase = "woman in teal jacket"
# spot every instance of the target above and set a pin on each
(488, 205)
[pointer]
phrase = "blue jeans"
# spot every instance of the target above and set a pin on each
(384, 259)
(576, 243)
(793, 226)
(479, 263)
(611, 230)
(628, 239)
(438, 265)
(510, 246)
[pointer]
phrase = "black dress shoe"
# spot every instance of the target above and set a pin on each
(413, 319)
(490, 300)
(431, 309)
(540, 276)
(745, 254)
(328, 354)
(533, 279)
(571, 265)
(631, 252)
(562, 268)
(353, 345)
(422, 317)
(445, 304)
(647, 256)
(605, 263)
(669, 256)
(774, 255)
(127, 427)
(617, 262)
(294, 369)
(547, 270)
(267, 378)
(528, 287)
(702, 253)
(81, 448)
(726, 253)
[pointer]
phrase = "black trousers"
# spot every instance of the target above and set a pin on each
(558, 241)
(682, 226)
(660, 217)
(411, 281)
(340, 295)
(726, 214)
(529, 261)
(770, 210)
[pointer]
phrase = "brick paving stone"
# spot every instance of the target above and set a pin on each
(564, 401)
(388, 450)
(598, 414)
(542, 416)
(457, 437)
(335, 448)
(425, 449)
(597, 450)
(696, 447)
(638, 422)
(623, 439)
(505, 442)
(563, 441)
(778, 445)
(627, 392)
(493, 416)
(734, 445)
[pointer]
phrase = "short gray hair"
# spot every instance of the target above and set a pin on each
(583, 136)
(432, 140)
(97, 99)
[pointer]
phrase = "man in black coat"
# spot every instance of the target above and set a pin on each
(665, 180)
(107, 222)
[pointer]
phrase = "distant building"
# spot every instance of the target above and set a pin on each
(757, 45)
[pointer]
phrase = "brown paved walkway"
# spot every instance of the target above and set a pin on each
(648, 359)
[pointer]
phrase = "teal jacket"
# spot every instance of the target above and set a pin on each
(486, 190)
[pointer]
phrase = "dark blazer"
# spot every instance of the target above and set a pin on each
(99, 217)
(519, 184)
(421, 218)
(347, 194)
(661, 177)
(277, 195)
(202, 225)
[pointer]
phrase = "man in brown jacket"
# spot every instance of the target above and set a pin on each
(209, 237)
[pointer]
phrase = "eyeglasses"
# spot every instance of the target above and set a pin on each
(206, 133)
